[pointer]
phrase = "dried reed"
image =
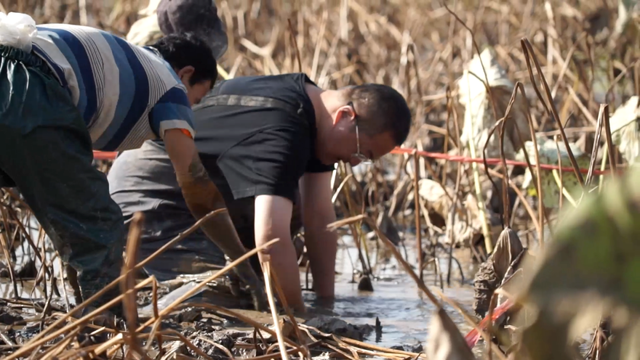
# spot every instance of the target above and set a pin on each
(420, 48)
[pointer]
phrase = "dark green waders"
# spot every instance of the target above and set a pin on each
(46, 152)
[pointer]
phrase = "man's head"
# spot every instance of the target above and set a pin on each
(191, 58)
(194, 16)
(367, 122)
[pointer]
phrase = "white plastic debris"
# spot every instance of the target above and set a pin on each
(625, 132)
(479, 117)
(145, 31)
(17, 30)
(626, 10)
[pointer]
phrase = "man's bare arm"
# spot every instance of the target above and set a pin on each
(203, 197)
(272, 220)
(317, 213)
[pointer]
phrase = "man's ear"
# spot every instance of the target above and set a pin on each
(186, 72)
(343, 113)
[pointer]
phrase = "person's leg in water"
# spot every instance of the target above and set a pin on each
(45, 149)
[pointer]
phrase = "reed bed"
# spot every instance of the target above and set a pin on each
(571, 69)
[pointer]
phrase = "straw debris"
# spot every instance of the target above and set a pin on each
(554, 72)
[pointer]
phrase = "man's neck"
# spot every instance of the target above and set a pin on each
(323, 102)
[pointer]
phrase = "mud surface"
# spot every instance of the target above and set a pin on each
(394, 315)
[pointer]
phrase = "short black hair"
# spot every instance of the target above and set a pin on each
(383, 109)
(188, 49)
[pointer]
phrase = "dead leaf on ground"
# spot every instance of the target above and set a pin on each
(445, 342)
(467, 222)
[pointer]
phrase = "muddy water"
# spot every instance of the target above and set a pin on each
(402, 309)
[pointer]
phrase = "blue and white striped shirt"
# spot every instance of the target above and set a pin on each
(126, 94)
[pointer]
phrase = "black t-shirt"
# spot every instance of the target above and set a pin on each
(255, 148)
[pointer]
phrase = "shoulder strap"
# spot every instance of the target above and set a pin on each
(247, 100)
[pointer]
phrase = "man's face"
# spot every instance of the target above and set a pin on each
(197, 91)
(371, 147)
(349, 143)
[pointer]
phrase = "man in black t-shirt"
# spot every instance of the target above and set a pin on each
(263, 140)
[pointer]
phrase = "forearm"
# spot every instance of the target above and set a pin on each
(200, 193)
(282, 259)
(272, 221)
(322, 246)
(203, 197)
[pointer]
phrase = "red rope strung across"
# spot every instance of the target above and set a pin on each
(99, 155)
(464, 159)
(104, 155)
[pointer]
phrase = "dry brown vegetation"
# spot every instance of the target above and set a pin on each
(421, 48)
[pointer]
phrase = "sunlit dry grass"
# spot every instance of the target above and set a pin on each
(420, 48)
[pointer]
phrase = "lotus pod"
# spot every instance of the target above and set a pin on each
(479, 117)
(485, 283)
(492, 272)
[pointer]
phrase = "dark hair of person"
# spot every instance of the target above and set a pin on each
(187, 49)
(382, 109)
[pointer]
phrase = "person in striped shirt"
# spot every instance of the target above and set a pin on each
(127, 94)
(81, 89)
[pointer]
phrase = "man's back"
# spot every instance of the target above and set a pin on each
(248, 149)
(257, 135)
(114, 84)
